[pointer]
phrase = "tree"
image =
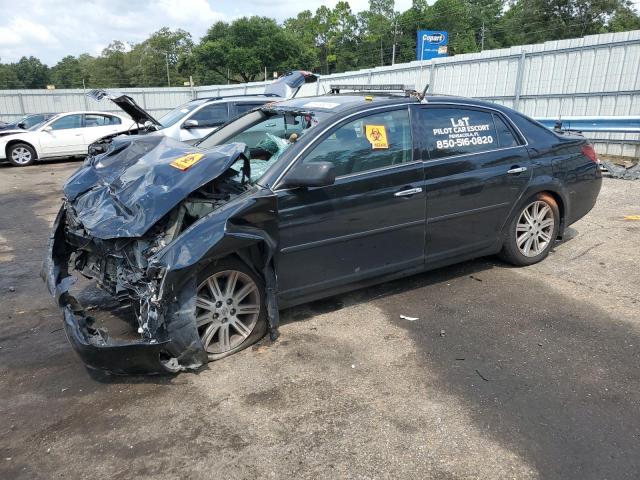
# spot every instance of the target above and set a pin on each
(163, 50)
(67, 73)
(240, 51)
(111, 67)
(32, 73)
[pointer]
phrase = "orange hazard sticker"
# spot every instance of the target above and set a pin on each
(377, 136)
(186, 161)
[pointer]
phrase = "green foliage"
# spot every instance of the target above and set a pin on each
(325, 41)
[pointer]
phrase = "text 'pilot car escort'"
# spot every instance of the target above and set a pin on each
(299, 200)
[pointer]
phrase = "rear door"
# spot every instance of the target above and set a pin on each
(476, 167)
(97, 125)
(370, 222)
(209, 118)
(66, 137)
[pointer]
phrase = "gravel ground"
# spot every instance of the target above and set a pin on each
(508, 373)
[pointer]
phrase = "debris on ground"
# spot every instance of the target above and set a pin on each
(632, 217)
(12, 289)
(411, 319)
(442, 333)
(481, 376)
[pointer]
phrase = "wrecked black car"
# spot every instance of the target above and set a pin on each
(296, 201)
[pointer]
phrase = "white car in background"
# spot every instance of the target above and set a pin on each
(65, 135)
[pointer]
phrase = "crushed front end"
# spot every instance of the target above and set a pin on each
(111, 230)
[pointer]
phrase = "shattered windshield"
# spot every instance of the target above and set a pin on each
(178, 113)
(267, 134)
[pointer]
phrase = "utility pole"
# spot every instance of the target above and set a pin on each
(166, 57)
(393, 51)
(265, 73)
(482, 37)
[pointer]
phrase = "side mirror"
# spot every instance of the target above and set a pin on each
(190, 124)
(313, 174)
(48, 128)
(20, 125)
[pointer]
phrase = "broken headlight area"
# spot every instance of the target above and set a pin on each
(164, 336)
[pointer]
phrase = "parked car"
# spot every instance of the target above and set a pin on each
(63, 135)
(25, 122)
(197, 118)
(209, 241)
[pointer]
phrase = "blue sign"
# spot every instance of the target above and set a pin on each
(431, 44)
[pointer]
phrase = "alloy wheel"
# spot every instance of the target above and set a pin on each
(21, 155)
(227, 310)
(534, 229)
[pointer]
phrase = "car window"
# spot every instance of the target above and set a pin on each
(66, 122)
(368, 143)
(456, 131)
(506, 137)
(179, 113)
(96, 120)
(240, 108)
(211, 115)
(31, 120)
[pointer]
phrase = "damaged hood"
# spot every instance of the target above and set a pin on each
(125, 191)
(127, 104)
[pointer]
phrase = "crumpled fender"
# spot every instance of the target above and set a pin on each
(176, 345)
(125, 191)
(224, 232)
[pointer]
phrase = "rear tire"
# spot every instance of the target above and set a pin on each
(21, 154)
(231, 309)
(532, 231)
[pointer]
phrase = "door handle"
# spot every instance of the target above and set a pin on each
(406, 193)
(77, 134)
(515, 170)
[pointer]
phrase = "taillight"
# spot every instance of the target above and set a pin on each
(589, 152)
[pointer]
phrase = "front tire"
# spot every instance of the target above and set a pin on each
(532, 231)
(21, 154)
(230, 308)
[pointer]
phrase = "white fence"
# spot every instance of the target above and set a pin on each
(594, 75)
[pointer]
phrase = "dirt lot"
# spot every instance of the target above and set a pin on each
(508, 373)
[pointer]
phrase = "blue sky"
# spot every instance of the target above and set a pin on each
(51, 29)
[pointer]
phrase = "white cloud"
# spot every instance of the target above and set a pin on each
(51, 29)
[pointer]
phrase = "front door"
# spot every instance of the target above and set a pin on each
(476, 168)
(66, 137)
(371, 221)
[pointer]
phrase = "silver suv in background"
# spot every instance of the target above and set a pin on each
(197, 118)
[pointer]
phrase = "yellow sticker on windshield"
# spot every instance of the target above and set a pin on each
(187, 161)
(377, 136)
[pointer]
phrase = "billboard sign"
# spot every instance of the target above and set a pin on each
(431, 44)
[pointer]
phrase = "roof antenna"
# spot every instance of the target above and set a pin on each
(424, 92)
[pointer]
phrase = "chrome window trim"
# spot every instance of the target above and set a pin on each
(469, 154)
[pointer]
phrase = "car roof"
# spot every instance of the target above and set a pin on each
(238, 98)
(340, 104)
(97, 112)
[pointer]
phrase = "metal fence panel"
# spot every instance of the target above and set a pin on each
(593, 75)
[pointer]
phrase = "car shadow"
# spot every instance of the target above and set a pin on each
(549, 376)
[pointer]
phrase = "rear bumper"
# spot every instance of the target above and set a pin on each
(175, 348)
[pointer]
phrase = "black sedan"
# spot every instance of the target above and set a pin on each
(299, 200)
